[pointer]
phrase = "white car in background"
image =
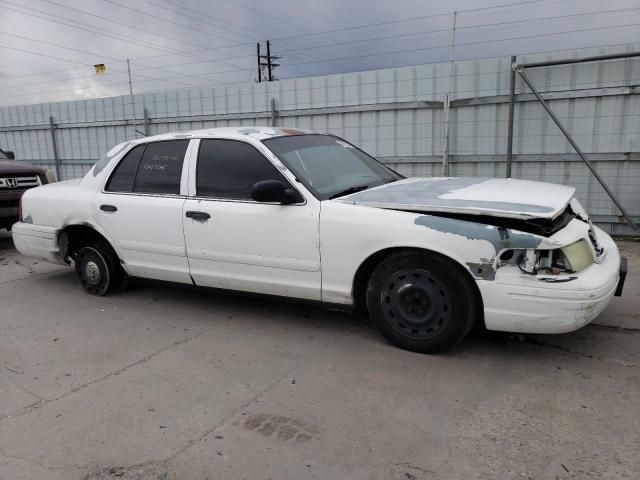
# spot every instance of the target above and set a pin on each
(307, 215)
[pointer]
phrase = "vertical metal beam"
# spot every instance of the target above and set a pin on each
(274, 112)
(512, 91)
(446, 105)
(147, 123)
(56, 158)
(575, 146)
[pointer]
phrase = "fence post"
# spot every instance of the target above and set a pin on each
(56, 158)
(512, 90)
(274, 112)
(146, 123)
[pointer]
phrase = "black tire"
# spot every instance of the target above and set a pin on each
(98, 269)
(422, 301)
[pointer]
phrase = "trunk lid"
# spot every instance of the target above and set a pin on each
(507, 198)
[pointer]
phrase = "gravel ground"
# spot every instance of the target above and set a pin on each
(163, 382)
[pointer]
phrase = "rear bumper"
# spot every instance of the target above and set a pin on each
(516, 302)
(36, 241)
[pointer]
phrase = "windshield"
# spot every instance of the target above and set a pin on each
(329, 166)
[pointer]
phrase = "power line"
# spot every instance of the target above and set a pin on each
(363, 40)
(497, 40)
(82, 63)
(147, 14)
(204, 77)
(200, 13)
(199, 18)
(84, 52)
(386, 53)
(547, 20)
(182, 8)
(107, 33)
(307, 34)
(357, 27)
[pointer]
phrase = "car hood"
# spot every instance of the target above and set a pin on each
(508, 198)
(12, 167)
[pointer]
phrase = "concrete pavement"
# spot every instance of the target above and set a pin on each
(164, 382)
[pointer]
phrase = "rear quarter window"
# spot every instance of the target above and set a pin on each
(160, 168)
(154, 167)
(124, 174)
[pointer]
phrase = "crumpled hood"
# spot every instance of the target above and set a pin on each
(509, 198)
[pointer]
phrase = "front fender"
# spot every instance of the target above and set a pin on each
(349, 234)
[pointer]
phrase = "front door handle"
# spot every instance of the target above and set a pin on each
(108, 208)
(202, 216)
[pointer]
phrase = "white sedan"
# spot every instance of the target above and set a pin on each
(307, 215)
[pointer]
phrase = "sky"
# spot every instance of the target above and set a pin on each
(48, 47)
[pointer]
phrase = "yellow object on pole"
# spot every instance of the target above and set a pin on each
(100, 68)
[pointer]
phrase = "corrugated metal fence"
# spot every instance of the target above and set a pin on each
(395, 114)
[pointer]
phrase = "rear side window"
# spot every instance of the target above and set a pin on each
(125, 173)
(229, 168)
(160, 168)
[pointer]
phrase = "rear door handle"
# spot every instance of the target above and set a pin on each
(202, 216)
(108, 208)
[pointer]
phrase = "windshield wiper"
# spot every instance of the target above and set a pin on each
(348, 191)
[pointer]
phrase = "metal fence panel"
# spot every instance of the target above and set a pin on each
(395, 114)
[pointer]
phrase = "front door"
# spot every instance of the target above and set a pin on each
(236, 243)
(141, 210)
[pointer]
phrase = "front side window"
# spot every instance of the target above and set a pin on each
(228, 169)
(150, 168)
(329, 166)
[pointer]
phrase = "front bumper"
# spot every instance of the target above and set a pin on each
(516, 302)
(36, 241)
(9, 201)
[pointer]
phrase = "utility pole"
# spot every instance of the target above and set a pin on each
(266, 62)
(133, 105)
(447, 101)
(259, 64)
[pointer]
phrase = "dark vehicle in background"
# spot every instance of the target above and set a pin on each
(15, 179)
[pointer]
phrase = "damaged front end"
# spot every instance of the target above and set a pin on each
(551, 250)
(557, 264)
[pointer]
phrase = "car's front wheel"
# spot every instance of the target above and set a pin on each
(422, 301)
(98, 269)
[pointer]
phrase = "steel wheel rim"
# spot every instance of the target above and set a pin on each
(416, 304)
(94, 278)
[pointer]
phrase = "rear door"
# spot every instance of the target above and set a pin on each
(237, 243)
(141, 210)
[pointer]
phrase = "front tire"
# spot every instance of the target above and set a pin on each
(98, 270)
(422, 301)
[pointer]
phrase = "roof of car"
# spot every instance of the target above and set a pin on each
(257, 132)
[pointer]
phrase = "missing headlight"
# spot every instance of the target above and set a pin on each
(570, 259)
(577, 256)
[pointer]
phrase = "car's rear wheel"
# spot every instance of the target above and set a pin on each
(422, 302)
(98, 269)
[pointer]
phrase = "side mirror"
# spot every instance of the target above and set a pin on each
(274, 191)
(10, 155)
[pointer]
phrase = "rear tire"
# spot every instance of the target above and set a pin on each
(98, 269)
(422, 301)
